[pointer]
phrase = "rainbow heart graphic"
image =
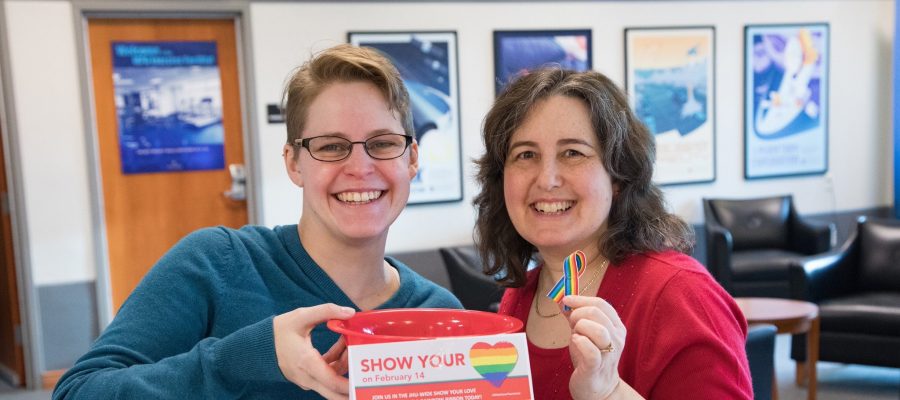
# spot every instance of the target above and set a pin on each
(493, 362)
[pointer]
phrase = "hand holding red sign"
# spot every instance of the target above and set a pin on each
(300, 362)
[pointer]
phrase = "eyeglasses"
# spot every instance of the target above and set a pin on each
(329, 148)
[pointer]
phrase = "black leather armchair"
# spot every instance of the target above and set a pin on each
(761, 357)
(475, 290)
(857, 288)
(751, 243)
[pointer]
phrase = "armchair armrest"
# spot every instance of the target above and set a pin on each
(811, 237)
(825, 275)
(760, 348)
(719, 245)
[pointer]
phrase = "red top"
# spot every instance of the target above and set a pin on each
(685, 336)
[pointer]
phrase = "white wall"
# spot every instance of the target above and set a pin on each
(52, 141)
(285, 34)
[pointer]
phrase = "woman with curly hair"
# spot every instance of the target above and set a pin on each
(568, 168)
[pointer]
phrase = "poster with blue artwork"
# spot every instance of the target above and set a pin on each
(428, 67)
(518, 52)
(786, 100)
(670, 80)
(168, 99)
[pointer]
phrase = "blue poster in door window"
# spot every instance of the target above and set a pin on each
(169, 106)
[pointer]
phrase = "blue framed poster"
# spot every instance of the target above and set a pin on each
(670, 76)
(517, 52)
(428, 67)
(168, 99)
(785, 100)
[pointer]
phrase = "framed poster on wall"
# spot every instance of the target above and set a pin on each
(670, 78)
(517, 52)
(428, 65)
(785, 100)
(168, 98)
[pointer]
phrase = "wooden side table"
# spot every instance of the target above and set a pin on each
(788, 316)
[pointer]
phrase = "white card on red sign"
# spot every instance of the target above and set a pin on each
(458, 368)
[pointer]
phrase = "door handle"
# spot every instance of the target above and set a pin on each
(238, 190)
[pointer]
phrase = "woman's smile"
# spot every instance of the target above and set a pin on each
(552, 207)
(359, 198)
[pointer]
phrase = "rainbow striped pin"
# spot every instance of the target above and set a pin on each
(573, 267)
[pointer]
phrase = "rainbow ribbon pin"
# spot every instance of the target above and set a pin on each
(573, 267)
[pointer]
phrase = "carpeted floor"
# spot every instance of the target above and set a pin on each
(836, 381)
(9, 393)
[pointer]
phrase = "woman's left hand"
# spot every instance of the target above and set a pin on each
(598, 337)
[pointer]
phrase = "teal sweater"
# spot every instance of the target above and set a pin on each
(199, 325)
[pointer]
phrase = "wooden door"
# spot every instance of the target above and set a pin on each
(12, 358)
(148, 212)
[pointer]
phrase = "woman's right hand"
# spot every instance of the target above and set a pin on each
(300, 362)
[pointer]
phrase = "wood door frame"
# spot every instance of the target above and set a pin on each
(30, 327)
(83, 11)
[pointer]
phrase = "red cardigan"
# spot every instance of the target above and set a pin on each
(685, 335)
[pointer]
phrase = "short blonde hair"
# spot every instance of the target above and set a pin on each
(343, 63)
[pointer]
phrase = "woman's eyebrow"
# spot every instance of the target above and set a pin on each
(522, 144)
(376, 132)
(573, 141)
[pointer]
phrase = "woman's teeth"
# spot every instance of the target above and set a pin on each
(359, 197)
(553, 207)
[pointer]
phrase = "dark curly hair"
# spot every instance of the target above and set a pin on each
(638, 220)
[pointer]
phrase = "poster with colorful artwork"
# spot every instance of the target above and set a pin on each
(785, 100)
(428, 66)
(464, 368)
(517, 52)
(168, 98)
(670, 76)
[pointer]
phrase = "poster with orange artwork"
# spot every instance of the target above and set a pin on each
(671, 88)
(460, 368)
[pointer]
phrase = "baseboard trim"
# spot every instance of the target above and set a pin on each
(50, 378)
(9, 376)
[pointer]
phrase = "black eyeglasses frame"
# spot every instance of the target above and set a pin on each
(304, 143)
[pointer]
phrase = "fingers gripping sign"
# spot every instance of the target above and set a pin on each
(336, 357)
(598, 336)
(300, 362)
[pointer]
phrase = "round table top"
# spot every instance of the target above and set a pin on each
(765, 309)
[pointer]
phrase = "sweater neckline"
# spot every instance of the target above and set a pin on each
(309, 270)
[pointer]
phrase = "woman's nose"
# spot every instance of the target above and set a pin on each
(359, 162)
(548, 175)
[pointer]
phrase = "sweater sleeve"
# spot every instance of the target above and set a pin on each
(159, 346)
(695, 345)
